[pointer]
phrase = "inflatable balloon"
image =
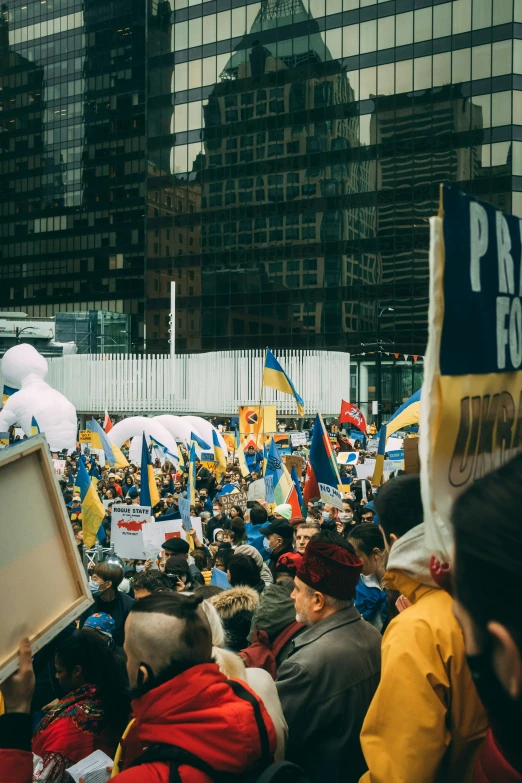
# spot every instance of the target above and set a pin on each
(25, 368)
(137, 425)
(204, 429)
(181, 427)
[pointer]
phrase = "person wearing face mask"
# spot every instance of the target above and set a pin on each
(370, 595)
(104, 582)
(177, 570)
(488, 596)
(279, 536)
(218, 519)
(425, 722)
(330, 518)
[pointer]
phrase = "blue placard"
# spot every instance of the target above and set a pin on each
(396, 455)
(269, 489)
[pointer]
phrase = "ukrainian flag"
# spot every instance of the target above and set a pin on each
(149, 495)
(408, 413)
(8, 392)
(162, 451)
(201, 443)
(181, 459)
(99, 440)
(275, 377)
(35, 429)
(219, 456)
(191, 484)
(93, 512)
(379, 459)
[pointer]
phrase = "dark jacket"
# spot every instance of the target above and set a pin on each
(118, 609)
(274, 612)
(203, 478)
(325, 686)
(214, 523)
(274, 556)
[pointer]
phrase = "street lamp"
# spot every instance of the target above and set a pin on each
(379, 366)
(18, 332)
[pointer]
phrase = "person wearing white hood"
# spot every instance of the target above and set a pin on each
(425, 722)
(258, 680)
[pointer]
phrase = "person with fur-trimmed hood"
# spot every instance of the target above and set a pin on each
(236, 608)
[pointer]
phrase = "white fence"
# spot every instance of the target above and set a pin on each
(208, 383)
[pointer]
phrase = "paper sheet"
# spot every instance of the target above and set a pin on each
(93, 768)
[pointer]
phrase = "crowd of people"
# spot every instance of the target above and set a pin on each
(325, 650)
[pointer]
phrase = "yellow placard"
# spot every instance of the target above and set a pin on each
(85, 436)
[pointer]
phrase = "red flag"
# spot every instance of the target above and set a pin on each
(311, 487)
(351, 414)
(293, 500)
(107, 423)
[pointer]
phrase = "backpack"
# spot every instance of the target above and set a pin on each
(263, 655)
(265, 771)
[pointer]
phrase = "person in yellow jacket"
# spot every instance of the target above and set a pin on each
(425, 723)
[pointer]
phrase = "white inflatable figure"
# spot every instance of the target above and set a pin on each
(24, 368)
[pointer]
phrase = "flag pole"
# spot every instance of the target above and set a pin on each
(261, 415)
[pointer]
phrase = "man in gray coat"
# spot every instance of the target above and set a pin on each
(328, 680)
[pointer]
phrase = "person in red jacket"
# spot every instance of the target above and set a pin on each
(488, 601)
(182, 700)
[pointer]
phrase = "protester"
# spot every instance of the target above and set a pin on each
(426, 721)
(178, 572)
(178, 546)
(91, 716)
(324, 699)
(282, 512)
(247, 549)
(232, 666)
(104, 582)
(218, 520)
(303, 534)
(253, 459)
(177, 686)
(279, 536)
(235, 608)
(243, 570)
(486, 522)
(370, 596)
(149, 582)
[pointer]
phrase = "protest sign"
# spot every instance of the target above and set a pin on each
(85, 436)
(347, 458)
(235, 499)
(396, 456)
(471, 412)
(184, 510)
(154, 535)
(298, 439)
(269, 489)
(256, 490)
(293, 460)
(365, 471)
(4, 440)
(59, 467)
(331, 495)
(126, 535)
(55, 590)
(372, 444)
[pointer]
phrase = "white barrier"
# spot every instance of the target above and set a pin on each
(203, 383)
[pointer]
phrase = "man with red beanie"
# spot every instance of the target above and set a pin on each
(328, 680)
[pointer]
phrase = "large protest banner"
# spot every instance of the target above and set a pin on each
(254, 420)
(471, 410)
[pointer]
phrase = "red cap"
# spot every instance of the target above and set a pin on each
(330, 569)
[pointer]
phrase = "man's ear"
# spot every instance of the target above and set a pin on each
(507, 660)
(143, 674)
(318, 601)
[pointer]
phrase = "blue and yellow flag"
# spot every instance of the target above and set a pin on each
(93, 512)
(149, 495)
(379, 459)
(219, 456)
(8, 392)
(191, 485)
(181, 459)
(241, 456)
(99, 440)
(94, 473)
(408, 413)
(35, 429)
(276, 378)
(200, 442)
(162, 451)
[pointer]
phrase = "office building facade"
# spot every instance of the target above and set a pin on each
(278, 160)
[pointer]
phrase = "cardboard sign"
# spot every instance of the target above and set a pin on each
(471, 402)
(236, 499)
(44, 586)
(126, 535)
(298, 439)
(184, 510)
(293, 460)
(331, 495)
(411, 455)
(85, 436)
(372, 444)
(365, 471)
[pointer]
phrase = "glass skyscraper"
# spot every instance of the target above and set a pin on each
(277, 159)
